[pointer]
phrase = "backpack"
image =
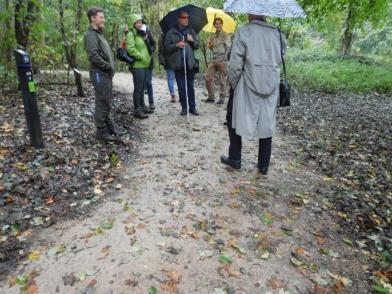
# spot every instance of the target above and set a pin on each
(161, 50)
(122, 52)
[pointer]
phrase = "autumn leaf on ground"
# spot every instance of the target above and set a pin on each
(266, 219)
(275, 283)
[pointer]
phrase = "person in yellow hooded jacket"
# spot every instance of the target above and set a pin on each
(138, 48)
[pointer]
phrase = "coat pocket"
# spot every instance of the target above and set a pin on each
(262, 79)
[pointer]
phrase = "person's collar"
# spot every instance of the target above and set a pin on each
(98, 30)
(263, 23)
(181, 28)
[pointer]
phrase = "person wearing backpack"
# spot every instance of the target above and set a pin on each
(169, 72)
(137, 47)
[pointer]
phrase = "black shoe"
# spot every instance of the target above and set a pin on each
(263, 170)
(106, 137)
(152, 107)
(184, 112)
(140, 114)
(209, 100)
(236, 164)
(220, 102)
(194, 111)
(148, 110)
(117, 132)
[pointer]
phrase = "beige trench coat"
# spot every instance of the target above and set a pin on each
(254, 73)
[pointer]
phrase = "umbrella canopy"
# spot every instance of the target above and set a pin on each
(197, 18)
(228, 23)
(272, 8)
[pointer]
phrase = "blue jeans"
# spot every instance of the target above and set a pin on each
(149, 89)
(180, 78)
(170, 81)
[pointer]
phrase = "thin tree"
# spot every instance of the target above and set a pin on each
(71, 45)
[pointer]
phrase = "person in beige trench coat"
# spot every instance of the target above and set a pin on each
(254, 76)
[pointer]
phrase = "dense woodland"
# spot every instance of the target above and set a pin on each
(339, 30)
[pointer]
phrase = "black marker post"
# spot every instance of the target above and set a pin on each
(27, 87)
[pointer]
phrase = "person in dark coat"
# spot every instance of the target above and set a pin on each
(183, 37)
(102, 70)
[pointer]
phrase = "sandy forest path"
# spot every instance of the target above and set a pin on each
(183, 223)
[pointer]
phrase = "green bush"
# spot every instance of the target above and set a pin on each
(317, 70)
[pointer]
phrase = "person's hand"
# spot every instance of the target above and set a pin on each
(210, 42)
(189, 38)
(181, 44)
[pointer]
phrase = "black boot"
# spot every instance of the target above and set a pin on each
(114, 130)
(147, 110)
(221, 101)
(263, 170)
(236, 164)
(105, 136)
(140, 114)
(194, 112)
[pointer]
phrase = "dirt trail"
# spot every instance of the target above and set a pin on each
(183, 222)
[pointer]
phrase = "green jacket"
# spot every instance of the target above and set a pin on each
(99, 52)
(137, 46)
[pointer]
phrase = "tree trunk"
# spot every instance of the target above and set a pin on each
(23, 21)
(7, 35)
(70, 49)
(347, 39)
(78, 82)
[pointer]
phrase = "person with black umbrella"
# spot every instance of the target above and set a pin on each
(180, 43)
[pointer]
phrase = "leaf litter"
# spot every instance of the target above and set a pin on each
(63, 180)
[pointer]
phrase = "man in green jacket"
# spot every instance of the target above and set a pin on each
(137, 47)
(102, 70)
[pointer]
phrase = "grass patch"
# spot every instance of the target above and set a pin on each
(315, 70)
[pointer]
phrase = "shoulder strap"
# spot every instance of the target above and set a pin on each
(282, 55)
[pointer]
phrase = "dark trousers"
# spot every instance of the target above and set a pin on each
(180, 78)
(139, 83)
(103, 101)
(265, 145)
(149, 89)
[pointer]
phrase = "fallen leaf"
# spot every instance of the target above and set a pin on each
(275, 283)
(225, 259)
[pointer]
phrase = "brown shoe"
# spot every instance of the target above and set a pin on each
(209, 100)
(173, 99)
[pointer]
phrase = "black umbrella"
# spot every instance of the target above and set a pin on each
(197, 18)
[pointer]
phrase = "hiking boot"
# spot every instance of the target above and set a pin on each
(147, 110)
(173, 99)
(209, 100)
(263, 170)
(152, 107)
(115, 131)
(194, 112)
(236, 164)
(220, 101)
(140, 114)
(106, 137)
